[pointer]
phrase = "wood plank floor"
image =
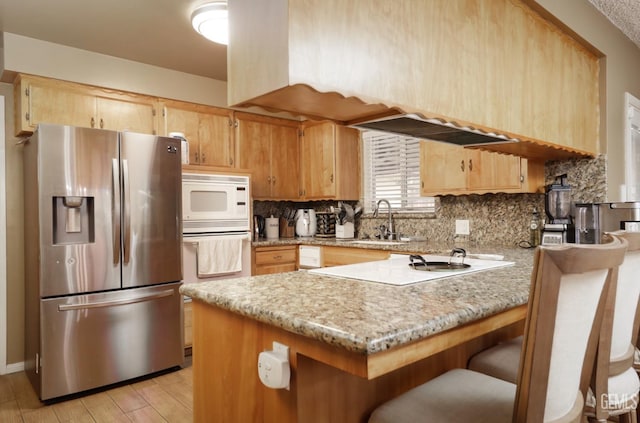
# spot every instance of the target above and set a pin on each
(164, 398)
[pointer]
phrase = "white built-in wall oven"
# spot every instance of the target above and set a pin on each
(216, 226)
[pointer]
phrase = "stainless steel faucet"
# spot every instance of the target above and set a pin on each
(386, 232)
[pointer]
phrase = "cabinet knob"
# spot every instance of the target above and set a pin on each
(196, 157)
(204, 159)
(331, 178)
(273, 180)
(462, 165)
(231, 161)
(93, 123)
(101, 123)
(470, 165)
(269, 179)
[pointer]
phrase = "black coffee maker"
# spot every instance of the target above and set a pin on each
(559, 226)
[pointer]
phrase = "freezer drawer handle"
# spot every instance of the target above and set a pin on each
(102, 304)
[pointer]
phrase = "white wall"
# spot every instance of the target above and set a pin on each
(36, 57)
(622, 64)
(3, 251)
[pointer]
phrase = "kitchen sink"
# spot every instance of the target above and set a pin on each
(377, 242)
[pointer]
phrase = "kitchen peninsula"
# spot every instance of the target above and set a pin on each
(353, 344)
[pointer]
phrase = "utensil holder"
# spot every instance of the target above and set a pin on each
(345, 231)
(287, 229)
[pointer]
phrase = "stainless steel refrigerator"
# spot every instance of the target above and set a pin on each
(103, 257)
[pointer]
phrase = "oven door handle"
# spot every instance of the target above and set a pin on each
(194, 240)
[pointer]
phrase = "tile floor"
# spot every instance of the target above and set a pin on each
(164, 398)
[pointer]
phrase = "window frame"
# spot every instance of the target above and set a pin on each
(408, 199)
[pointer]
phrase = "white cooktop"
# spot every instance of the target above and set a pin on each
(396, 270)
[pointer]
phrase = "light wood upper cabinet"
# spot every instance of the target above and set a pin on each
(208, 131)
(49, 103)
(449, 169)
(330, 162)
(269, 148)
(495, 65)
(125, 115)
(43, 100)
(285, 161)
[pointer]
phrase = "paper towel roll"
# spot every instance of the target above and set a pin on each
(272, 230)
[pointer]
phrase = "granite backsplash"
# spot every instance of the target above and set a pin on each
(494, 219)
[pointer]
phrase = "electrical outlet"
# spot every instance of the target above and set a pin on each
(462, 227)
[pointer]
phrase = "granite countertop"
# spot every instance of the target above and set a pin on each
(369, 317)
(399, 247)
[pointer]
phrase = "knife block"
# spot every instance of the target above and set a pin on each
(287, 230)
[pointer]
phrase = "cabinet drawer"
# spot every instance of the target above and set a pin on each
(275, 268)
(276, 256)
(337, 256)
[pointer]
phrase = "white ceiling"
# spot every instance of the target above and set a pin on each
(625, 14)
(158, 32)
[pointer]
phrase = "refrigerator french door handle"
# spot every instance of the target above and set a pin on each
(126, 199)
(115, 210)
(112, 303)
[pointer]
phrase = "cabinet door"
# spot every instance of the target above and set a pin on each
(480, 172)
(318, 161)
(126, 115)
(443, 168)
(253, 140)
(492, 171)
(49, 103)
(347, 159)
(216, 143)
(508, 171)
(187, 122)
(285, 159)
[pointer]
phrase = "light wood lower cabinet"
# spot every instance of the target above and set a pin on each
(276, 259)
(337, 256)
(451, 169)
(188, 324)
(328, 384)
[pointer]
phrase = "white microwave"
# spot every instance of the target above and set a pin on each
(215, 203)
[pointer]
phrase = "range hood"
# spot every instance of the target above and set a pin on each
(415, 126)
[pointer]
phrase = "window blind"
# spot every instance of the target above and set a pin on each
(391, 167)
(632, 156)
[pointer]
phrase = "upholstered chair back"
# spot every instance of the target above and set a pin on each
(569, 291)
(627, 296)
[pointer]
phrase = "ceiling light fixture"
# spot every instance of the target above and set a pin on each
(211, 21)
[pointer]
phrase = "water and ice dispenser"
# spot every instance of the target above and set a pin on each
(73, 220)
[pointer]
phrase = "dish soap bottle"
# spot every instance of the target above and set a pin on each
(535, 228)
